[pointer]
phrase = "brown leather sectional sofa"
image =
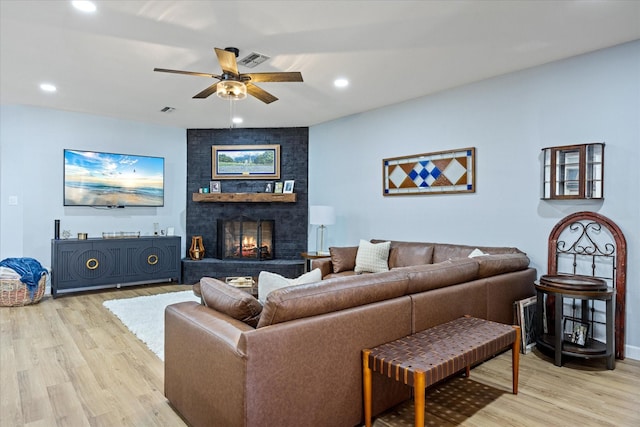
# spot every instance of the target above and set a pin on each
(297, 360)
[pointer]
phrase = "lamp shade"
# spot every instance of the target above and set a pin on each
(322, 215)
(231, 89)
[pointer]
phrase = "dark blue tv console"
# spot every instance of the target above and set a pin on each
(96, 263)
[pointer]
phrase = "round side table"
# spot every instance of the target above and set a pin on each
(577, 341)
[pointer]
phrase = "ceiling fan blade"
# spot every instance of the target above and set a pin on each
(227, 61)
(261, 94)
(208, 91)
(274, 77)
(190, 73)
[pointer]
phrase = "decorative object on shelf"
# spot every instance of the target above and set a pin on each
(196, 251)
(573, 172)
(575, 331)
(240, 282)
(205, 189)
(66, 234)
(288, 186)
(321, 216)
(120, 234)
(214, 187)
(245, 161)
(441, 172)
(56, 229)
(278, 187)
(268, 188)
(82, 236)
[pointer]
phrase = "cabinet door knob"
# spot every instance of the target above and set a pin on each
(152, 259)
(92, 263)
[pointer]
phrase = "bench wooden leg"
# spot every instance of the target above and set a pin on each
(515, 359)
(419, 385)
(366, 380)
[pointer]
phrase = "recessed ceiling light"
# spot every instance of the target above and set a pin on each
(341, 82)
(84, 6)
(48, 87)
(237, 120)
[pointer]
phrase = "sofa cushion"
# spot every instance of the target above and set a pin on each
(404, 254)
(231, 301)
(433, 276)
(372, 257)
(268, 282)
(492, 265)
(341, 274)
(343, 258)
(444, 251)
(331, 295)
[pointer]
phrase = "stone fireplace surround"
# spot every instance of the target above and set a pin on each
(291, 219)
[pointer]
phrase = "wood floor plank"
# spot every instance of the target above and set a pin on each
(70, 362)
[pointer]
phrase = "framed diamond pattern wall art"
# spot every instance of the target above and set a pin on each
(442, 172)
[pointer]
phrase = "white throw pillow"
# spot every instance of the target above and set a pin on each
(268, 282)
(476, 252)
(372, 257)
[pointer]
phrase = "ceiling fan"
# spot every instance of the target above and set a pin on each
(234, 85)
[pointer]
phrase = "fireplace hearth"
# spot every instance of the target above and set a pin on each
(243, 237)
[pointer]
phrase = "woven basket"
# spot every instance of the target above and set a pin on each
(14, 293)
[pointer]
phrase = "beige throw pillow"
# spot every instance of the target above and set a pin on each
(269, 282)
(372, 257)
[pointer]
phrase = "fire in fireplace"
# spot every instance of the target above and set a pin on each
(243, 237)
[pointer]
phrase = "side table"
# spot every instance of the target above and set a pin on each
(583, 345)
(309, 256)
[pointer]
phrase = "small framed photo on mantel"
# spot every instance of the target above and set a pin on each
(288, 186)
(278, 187)
(214, 186)
(268, 188)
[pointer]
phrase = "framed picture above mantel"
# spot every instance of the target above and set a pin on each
(245, 161)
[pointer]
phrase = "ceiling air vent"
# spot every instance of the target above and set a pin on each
(168, 110)
(253, 59)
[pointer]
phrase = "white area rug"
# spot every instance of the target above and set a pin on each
(144, 316)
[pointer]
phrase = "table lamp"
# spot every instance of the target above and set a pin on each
(321, 216)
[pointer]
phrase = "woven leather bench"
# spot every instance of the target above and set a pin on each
(424, 358)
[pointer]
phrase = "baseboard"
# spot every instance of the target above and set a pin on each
(631, 352)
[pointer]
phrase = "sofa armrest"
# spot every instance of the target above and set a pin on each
(201, 345)
(324, 264)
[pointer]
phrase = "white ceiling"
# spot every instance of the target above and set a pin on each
(391, 51)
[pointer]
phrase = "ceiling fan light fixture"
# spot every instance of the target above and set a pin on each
(231, 89)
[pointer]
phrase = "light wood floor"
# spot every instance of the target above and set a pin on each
(69, 362)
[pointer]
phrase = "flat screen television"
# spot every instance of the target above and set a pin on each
(93, 178)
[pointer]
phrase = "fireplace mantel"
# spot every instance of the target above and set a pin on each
(244, 197)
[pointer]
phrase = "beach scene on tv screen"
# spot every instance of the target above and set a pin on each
(107, 179)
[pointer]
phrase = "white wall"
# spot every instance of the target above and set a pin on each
(32, 141)
(509, 119)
